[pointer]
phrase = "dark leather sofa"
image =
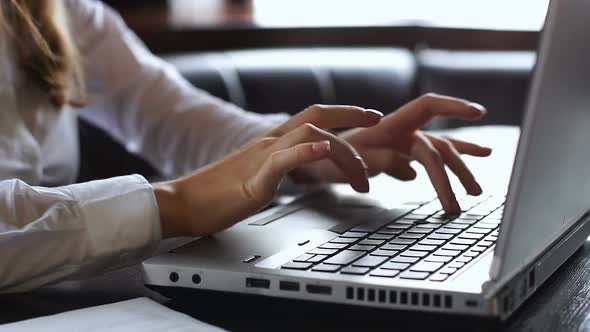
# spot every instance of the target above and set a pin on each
(288, 80)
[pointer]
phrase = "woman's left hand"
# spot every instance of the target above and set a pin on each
(392, 144)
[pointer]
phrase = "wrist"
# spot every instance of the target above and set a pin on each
(169, 207)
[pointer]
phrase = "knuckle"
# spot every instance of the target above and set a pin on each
(265, 142)
(309, 128)
(316, 113)
(434, 155)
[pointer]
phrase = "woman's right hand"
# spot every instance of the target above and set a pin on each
(219, 195)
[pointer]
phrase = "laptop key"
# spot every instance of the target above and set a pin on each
(303, 258)
(384, 273)
(297, 266)
(473, 236)
(456, 225)
(471, 253)
(439, 277)
(464, 259)
(412, 253)
(479, 249)
(456, 265)
(408, 235)
(448, 270)
(317, 258)
(396, 247)
(420, 230)
(398, 226)
(370, 261)
(426, 267)
(449, 253)
(355, 235)
(438, 236)
(445, 230)
(371, 242)
(357, 270)
(390, 231)
(478, 230)
(485, 243)
(381, 236)
(395, 266)
(431, 242)
(422, 247)
(326, 268)
(441, 259)
(429, 225)
(459, 247)
(358, 247)
(344, 257)
(467, 242)
(402, 241)
(466, 221)
(487, 226)
(346, 240)
(384, 253)
(414, 275)
(405, 259)
(330, 245)
(319, 251)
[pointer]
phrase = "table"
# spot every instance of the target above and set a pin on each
(561, 304)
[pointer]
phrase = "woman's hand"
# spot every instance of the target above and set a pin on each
(223, 193)
(391, 145)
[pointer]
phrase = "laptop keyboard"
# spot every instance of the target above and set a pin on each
(418, 241)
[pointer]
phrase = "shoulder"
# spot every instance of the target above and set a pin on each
(89, 20)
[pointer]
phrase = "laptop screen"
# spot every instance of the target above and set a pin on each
(550, 184)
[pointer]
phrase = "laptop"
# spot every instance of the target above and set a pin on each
(486, 261)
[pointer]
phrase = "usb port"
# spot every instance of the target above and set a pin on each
(318, 289)
(257, 283)
(289, 286)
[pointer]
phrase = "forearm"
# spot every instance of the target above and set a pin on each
(52, 234)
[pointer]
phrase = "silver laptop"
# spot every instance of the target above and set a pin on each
(486, 261)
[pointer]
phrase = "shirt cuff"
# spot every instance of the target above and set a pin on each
(121, 214)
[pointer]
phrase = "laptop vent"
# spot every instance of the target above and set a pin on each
(400, 298)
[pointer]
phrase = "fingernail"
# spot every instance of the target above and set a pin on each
(479, 107)
(362, 162)
(321, 147)
(478, 188)
(374, 114)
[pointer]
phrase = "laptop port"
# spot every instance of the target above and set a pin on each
(257, 283)
(289, 286)
(532, 279)
(318, 289)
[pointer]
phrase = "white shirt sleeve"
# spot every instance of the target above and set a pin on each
(47, 235)
(145, 103)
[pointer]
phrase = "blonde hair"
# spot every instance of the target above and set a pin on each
(45, 49)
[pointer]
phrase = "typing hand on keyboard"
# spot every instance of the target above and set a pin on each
(416, 242)
(392, 144)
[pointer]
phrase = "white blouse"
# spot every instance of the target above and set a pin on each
(53, 233)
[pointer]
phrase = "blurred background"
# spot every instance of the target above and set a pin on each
(282, 56)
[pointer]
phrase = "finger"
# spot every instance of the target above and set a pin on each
(388, 161)
(281, 162)
(341, 153)
(453, 160)
(470, 148)
(420, 111)
(403, 171)
(429, 157)
(330, 117)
